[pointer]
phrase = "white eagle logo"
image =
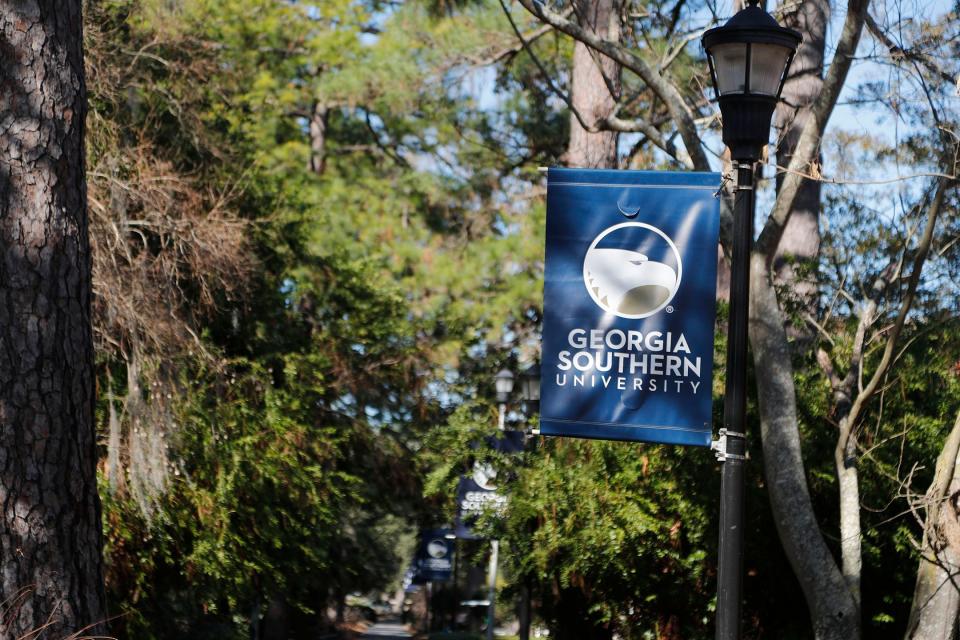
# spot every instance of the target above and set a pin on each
(437, 548)
(627, 283)
(484, 475)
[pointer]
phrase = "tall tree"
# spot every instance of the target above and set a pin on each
(594, 88)
(51, 533)
(799, 245)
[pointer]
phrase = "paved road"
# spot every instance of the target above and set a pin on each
(386, 631)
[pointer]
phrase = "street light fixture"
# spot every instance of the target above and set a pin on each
(749, 58)
(530, 383)
(503, 382)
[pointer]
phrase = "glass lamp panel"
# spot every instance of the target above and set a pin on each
(730, 62)
(504, 382)
(531, 388)
(530, 383)
(769, 61)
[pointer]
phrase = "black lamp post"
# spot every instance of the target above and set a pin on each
(530, 392)
(749, 57)
(503, 384)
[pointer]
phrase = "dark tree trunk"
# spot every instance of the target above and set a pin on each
(341, 607)
(594, 80)
(276, 623)
(524, 612)
(50, 539)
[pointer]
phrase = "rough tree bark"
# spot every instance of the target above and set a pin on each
(50, 538)
(936, 598)
(799, 245)
(594, 79)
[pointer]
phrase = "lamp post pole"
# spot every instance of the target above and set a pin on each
(733, 436)
(494, 549)
(748, 57)
(503, 384)
(492, 587)
(530, 388)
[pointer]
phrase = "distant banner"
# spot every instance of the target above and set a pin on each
(629, 305)
(434, 561)
(477, 493)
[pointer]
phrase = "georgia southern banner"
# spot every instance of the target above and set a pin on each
(434, 560)
(629, 303)
(478, 492)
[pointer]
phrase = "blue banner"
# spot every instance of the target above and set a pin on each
(629, 305)
(434, 561)
(478, 492)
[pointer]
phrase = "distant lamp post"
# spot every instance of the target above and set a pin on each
(530, 383)
(503, 382)
(749, 58)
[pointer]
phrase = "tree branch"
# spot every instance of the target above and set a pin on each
(896, 50)
(923, 249)
(612, 123)
(665, 90)
(674, 53)
(506, 52)
(808, 146)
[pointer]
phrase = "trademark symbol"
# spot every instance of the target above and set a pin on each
(670, 309)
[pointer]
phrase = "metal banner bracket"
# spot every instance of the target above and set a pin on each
(719, 446)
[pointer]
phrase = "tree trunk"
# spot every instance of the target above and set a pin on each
(318, 138)
(800, 243)
(851, 554)
(523, 613)
(833, 610)
(936, 598)
(833, 595)
(341, 607)
(594, 81)
(51, 533)
(276, 620)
